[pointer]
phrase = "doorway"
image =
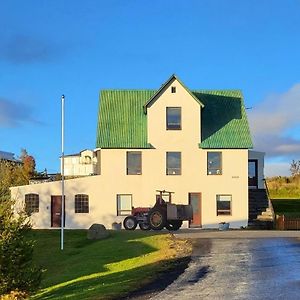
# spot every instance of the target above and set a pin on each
(56, 211)
(252, 174)
(195, 201)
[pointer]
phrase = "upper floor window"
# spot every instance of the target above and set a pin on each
(173, 89)
(214, 163)
(134, 163)
(81, 203)
(223, 205)
(31, 203)
(173, 163)
(124, 204)
(173, 118)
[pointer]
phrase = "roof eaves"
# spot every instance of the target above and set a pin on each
(154, 97)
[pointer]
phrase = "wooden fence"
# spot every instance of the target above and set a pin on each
(287, 223)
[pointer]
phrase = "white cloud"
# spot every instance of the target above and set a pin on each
(13, 114)
(270, 119)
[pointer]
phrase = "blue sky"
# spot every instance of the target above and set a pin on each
(76, 48)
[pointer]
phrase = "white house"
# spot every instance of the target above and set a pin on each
(83, 163)
(192, 142)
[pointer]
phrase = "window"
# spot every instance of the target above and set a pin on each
(81, 204)
(173, 118)
(223, 205)
(173, 89)
(124, 205)
(173, 163)
(214, 163)
(87, 160)
(32, 203)
(134, 163)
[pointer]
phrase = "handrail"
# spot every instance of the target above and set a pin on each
(269, 200)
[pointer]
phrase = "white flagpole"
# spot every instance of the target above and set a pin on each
(62, 172)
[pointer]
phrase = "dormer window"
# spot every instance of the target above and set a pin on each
(173, 118)
(173, 89)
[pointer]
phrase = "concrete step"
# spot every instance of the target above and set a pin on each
(261, 225)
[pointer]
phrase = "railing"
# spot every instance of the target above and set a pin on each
(269, 200)
(287, 223)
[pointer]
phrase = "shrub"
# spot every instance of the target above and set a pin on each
(17, 272)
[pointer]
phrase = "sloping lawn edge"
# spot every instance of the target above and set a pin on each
(105, 269)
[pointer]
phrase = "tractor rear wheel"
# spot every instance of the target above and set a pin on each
(144, 226)
(130, 223)
(173, 225)
(157, 219)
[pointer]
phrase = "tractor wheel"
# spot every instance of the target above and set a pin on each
(157, 219)
(144, 226)
(173, 225)
(130, 223)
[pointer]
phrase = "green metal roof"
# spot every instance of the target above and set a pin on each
(122, 122)
(224, 122)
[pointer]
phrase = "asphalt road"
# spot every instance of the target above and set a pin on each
(239, 268)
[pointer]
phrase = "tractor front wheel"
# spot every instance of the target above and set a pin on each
(144, 226)
(173, 225)
(157, 219)
(130, 223)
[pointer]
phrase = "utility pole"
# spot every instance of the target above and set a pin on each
(62, 169)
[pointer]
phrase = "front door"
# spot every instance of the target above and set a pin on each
(195, 201)
(56, 211)
(252, 174)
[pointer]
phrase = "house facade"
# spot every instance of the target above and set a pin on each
(193, 143)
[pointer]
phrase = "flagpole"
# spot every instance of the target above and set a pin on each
(62, 172)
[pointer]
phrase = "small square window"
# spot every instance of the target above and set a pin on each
(173, 89)
(214, 163)
(32, 203)
(173, 118)
(223, 205)
(81, 204)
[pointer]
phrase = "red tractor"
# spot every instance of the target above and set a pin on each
(162, 214)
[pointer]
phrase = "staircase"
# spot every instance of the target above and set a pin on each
(260, 212)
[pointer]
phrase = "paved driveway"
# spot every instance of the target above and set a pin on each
(239, 268)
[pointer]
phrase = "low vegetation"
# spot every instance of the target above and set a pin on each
(284, 187)
(102, 269)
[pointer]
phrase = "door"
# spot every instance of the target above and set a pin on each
(195, 201)
(252, 174)
(56, 211)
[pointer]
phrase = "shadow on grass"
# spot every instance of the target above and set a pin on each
(119, 285)
(80, 266)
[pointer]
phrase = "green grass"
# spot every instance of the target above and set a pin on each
(287, 207)
(284, 187)
(101, 269)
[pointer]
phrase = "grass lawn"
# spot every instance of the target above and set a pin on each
(287, 207)
(284, 187)
(101, 269)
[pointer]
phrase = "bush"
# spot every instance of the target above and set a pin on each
(17, 272)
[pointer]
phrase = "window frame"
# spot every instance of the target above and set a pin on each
(167, 119)
(173, 89)
(32, 203)
(223, 212)
(127, 168)
(220, 167)
(81, 207)
(123, 212)
(169, 168)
